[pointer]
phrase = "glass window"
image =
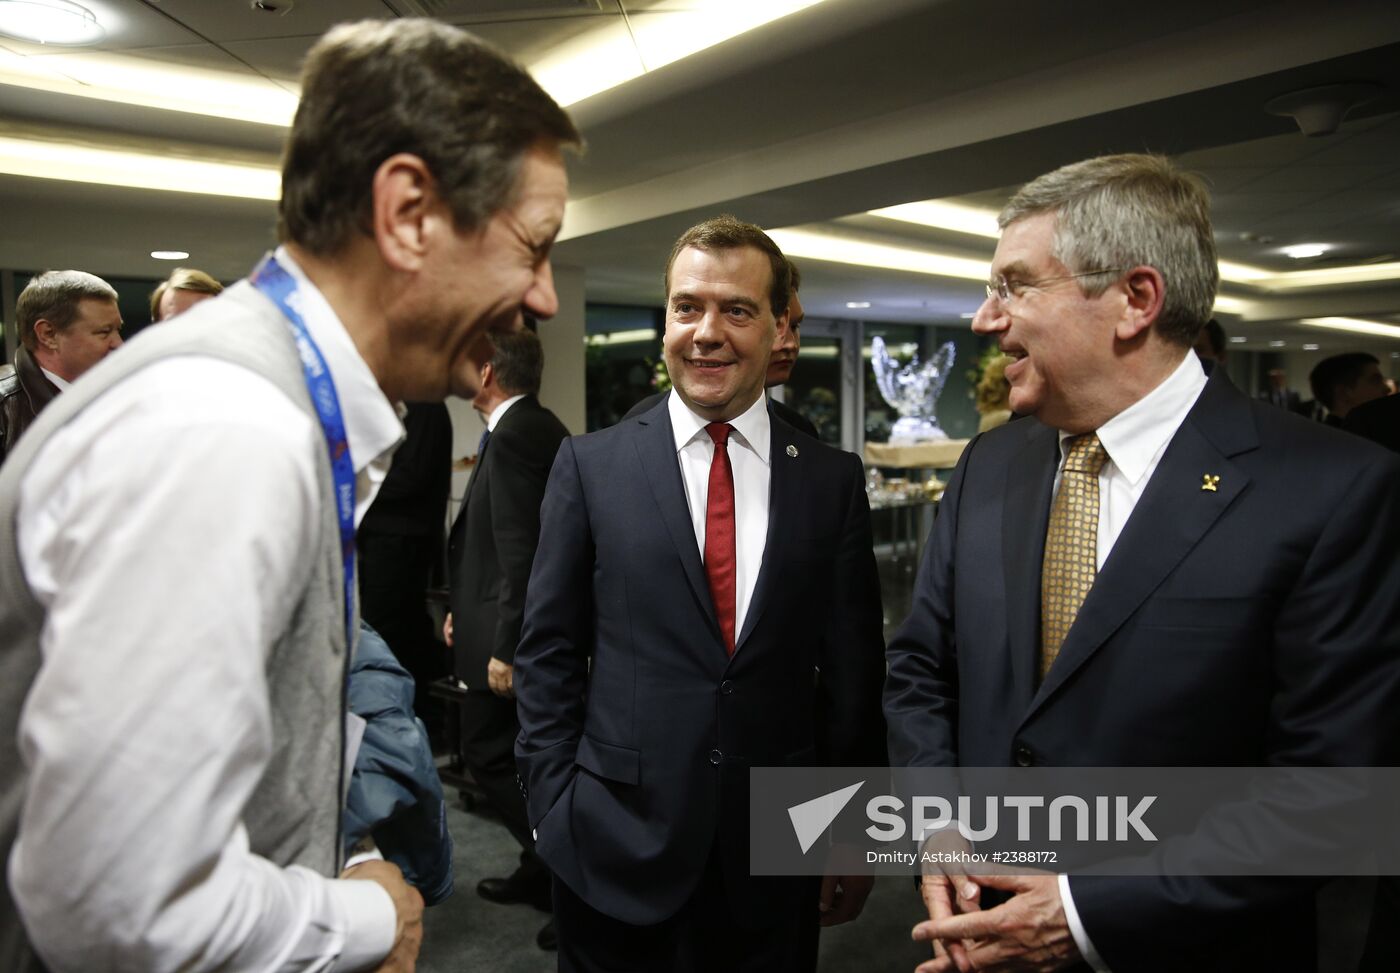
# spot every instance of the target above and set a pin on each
(621, 360)
(815, 386)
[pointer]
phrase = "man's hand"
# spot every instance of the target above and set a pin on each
(500, 676)
(947, 891)
(408, 912)
(1028, 932)
(842, 897)
(447, 630)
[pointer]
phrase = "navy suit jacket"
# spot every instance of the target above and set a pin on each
(1256, 625)
(637, 727)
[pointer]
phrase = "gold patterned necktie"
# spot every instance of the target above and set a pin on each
(1071, 544)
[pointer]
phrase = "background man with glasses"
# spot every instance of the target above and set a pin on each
(1154, 570)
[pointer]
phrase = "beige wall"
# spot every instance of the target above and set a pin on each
(561, 389)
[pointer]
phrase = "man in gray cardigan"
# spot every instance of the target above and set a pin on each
(176, 532)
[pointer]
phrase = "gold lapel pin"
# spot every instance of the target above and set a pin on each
(1210, 482)
(792, 451)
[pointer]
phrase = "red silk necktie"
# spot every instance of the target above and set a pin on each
(721, 565)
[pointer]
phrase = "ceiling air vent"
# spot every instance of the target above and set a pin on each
(478, 11)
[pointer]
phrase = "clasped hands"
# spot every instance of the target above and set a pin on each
(1027, 932)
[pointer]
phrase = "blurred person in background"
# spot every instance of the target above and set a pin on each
(68, 321)
(183, 289)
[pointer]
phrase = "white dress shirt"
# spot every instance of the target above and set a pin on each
(494, 419)
(1135, 440)
(62, 384)
(167, 531)
(749, 446)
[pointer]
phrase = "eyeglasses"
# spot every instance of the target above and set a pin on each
(1004, 290)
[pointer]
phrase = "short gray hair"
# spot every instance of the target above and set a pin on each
(54, 296)
(1127, 211)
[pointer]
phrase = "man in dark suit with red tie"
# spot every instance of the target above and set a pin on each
(697, 566)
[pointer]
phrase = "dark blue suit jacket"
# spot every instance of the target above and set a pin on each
(1257, 625)
(637, 728)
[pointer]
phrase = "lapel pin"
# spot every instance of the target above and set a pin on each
(1210, 482)
(792, 451)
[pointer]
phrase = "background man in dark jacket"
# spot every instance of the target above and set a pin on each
(491, 549)
(68, 322)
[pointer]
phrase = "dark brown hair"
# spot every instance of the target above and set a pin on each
(729, 233)
(376, 88)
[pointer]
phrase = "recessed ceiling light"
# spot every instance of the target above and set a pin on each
(170, 254)
(49, 22)
(1277, 344)
(856, 305)
(1310, 347)
(1301, 251)
(1238, 340)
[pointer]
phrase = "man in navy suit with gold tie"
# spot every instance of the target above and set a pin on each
(1153, 570)
(698, 565)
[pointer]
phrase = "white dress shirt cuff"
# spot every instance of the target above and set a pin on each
(1076, 929)
(370, 922)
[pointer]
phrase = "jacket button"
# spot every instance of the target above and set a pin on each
(726, 687)
(716, 757)
(1024, 757)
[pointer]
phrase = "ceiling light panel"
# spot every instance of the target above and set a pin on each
(109, 166)
(616, 52)
(846, 250)
(1356, 326)
(977, 221)
(943, 215)
(152, 84)
(1333, 276)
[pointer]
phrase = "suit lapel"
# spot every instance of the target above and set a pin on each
(656, 452)
(459, 525)
(1030, 480)
(784, 513)
(1170, 519)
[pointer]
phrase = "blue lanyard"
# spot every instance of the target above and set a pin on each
(272, 279)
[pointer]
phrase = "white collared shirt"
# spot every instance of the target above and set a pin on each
(1135, 440)
(749, 447)
(167, 531)
(62, 384)
(494, 419)
(373, 425)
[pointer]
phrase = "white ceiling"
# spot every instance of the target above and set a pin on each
(843, 107)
